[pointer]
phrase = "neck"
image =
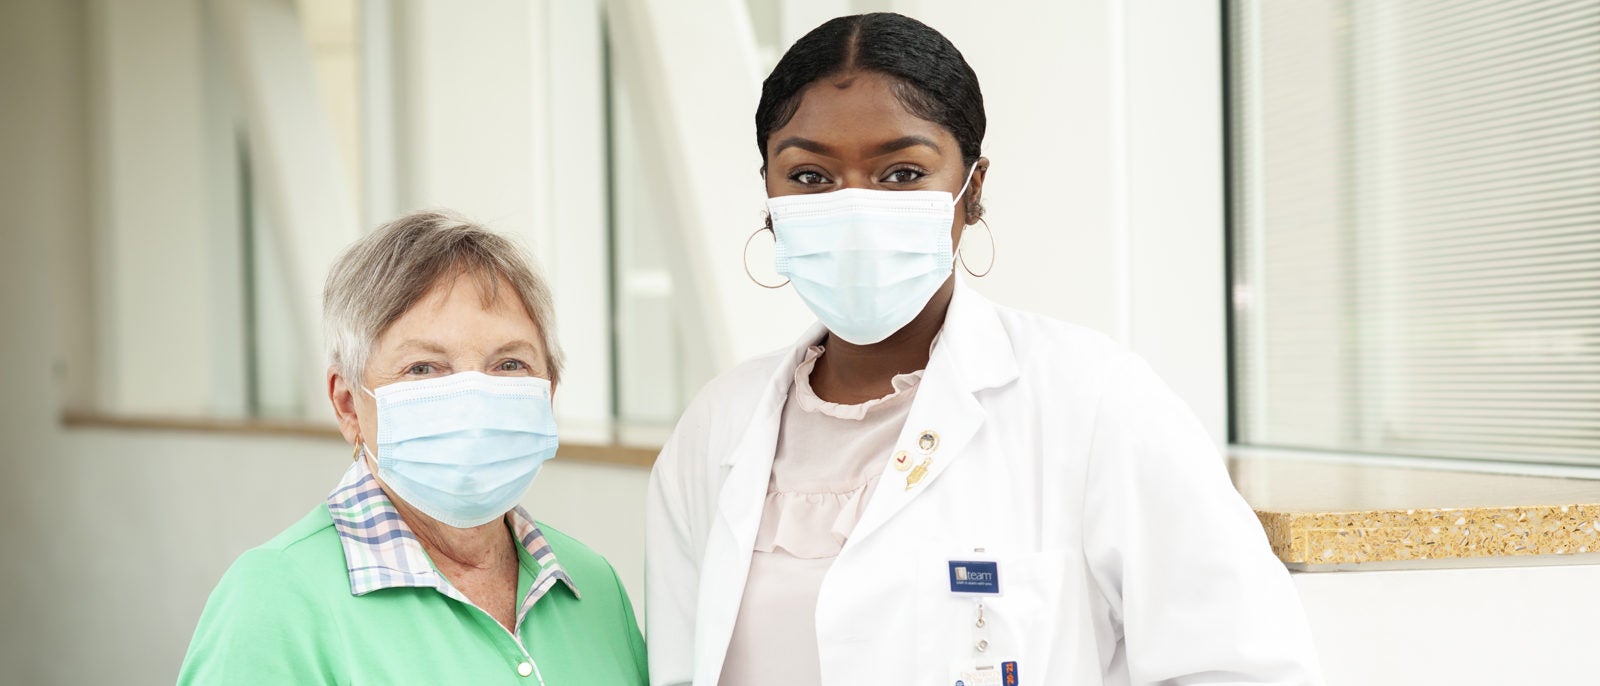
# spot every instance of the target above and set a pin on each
(483, 547)
(852, 374)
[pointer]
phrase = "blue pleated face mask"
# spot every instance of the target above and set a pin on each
(464, 448)
(865, 261)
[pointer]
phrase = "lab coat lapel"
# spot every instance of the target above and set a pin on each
(739, 507)
(973, 354)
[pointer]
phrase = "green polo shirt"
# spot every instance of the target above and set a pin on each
(285, 613)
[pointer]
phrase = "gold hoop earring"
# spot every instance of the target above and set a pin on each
(356, 454)
(993, 252)
(746, 260)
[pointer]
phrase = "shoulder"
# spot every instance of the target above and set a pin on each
(1066, 357)
(269, 616)
(289, 564)
(1086, 374)
(605, 605)
(315, 528)
(311, 544)
(586, 567)
(736, 390)
(721, 410)
(1034, 336)
(601, 588)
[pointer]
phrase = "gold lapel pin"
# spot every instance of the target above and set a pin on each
(917, 473)
(928, 442)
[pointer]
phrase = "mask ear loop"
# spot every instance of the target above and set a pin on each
(361, 442)
(746, 259)
(994, 252)
(964, 185)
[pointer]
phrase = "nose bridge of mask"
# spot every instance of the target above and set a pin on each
(870, 224)
(445, 405)
(860, 232)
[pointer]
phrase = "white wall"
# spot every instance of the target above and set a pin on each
(1518, 626)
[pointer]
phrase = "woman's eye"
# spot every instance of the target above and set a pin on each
(511, 366)
(420, 369)
(808, 178)
(904, 176)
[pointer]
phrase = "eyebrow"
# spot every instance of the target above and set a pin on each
(425, 346)
(906, 142)
(515, 345)
(897, 144)
(805, 144)
(432, 347)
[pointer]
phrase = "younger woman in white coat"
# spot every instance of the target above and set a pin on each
(929, 488)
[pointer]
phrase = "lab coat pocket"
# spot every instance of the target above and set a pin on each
(1018, 624)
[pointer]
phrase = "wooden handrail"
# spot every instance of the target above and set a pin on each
(616, 454)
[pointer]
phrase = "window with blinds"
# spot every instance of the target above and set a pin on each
(1415, 226)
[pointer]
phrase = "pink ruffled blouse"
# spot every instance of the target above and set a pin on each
(828, 460)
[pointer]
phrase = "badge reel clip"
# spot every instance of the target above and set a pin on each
(978, 577)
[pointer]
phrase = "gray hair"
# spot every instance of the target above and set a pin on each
(382, 275)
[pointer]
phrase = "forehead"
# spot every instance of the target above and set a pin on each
(856, 109)
(467, 293)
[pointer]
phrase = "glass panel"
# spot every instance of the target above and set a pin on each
(1416, 227)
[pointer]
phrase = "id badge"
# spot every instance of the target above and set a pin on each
(983, 672)
(974, 577)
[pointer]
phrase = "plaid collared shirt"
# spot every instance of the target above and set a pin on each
(381, 552)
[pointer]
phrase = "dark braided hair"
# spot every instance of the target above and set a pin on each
(931, 78)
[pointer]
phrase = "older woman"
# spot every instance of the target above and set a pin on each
(420, 568)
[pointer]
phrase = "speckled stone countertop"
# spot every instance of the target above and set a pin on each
(1322, 516)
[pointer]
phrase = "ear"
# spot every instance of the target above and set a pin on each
(342, 395)
(765, 182)
(972, 203)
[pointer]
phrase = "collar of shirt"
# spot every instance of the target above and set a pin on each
(381, 552)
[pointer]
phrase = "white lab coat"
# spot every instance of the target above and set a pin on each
(1125, 554)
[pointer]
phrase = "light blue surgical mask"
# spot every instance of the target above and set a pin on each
(464, 448)
(865, 261)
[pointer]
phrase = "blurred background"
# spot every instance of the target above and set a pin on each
(1345, 228)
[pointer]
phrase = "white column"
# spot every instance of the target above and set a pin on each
(572, 84)
(1177, 246)
(305, 192)
(468, 113)
(153, 261)
(695, 68)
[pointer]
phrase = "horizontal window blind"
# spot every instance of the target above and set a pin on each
(1415, 226)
